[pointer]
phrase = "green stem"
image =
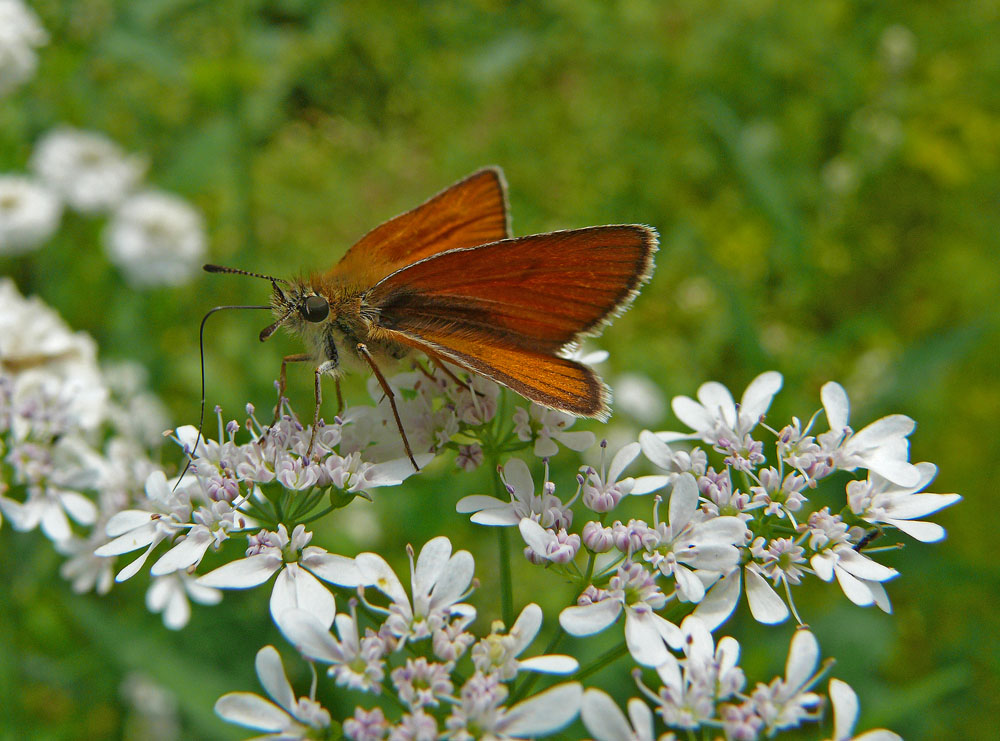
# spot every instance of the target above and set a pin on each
(612, 654)
(506, 584)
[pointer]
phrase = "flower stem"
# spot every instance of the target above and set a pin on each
(612, 654)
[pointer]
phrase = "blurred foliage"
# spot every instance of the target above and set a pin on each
(824, 178)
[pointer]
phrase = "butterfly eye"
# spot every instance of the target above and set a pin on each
(315, 309)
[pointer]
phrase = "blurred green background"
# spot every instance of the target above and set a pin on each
(824, 179)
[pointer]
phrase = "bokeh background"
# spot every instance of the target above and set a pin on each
(824, 179)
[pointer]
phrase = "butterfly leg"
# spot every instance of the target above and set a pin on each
(322, 369)
(387, 390)
(283, 379)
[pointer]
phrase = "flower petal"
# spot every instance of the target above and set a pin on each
(757, 399)
(271, 673)
(543, 713)
(836, 404)
(549, 664)
(803, 656)
(766, 605)
(295, 587)
(720, 601)
(330, 567)
(585, 620)
(252, 711)
(244, 573)
(603, 718)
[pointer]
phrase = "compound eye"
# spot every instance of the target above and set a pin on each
(315, 309)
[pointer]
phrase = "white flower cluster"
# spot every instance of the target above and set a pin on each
(20, 34)
(449, 683)
(155, 238)
(59, 444)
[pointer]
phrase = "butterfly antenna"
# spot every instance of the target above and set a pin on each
(237, 271)
(201, 350)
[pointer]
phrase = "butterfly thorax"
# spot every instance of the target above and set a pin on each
(332, 319)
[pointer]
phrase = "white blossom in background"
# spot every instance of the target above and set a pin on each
(29, 213)
(156, 239)
(90, 172)
(20, 34)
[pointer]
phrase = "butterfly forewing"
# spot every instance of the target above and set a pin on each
(506, 309)
(471, 212)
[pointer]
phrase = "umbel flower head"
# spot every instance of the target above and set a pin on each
(20, 35)
(29, 214)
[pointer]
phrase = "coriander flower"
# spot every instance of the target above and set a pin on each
(787, 701)
(439, 579)
(606, 722)
(480, 714)
(881, 447)
(715, 418)
(692, 687)
(631, 590)
(881, 502)
(547, 427)
(156, 239)
(721, 599)
(169, 595)
(299, 567)
(547, 508)
(89, 171)
(29, 212)
(689, 543)
(845, 715)
(355, 662)
(602, 490)
(290, 719)
(858, 575)
(133, 529)
(497, 653)
(20, 34)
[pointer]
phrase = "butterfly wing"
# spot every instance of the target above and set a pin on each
(508, 309)
(471, 212)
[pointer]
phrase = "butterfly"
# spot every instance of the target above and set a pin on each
(448, 279)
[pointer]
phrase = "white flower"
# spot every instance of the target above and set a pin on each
(881, 447)
(859, 576)
(687, 543)
(156, 239)
(606, 722)
(634, 591)
(53, 368)
(766, 605)
(715, 416)
(707, 675)
(845, 715)
(879, 501)
(29, 212)
(20, 34)
(787, 701)
(355, 662)
(132, 529)
(547, 508)
(169, 595)
(481, 715)
(601, 490)
(497, 653)
(89, 171)
(549, 426)
(290, 719)
(299, 567)
(439, 579)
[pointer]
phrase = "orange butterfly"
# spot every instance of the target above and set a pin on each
(448, 279)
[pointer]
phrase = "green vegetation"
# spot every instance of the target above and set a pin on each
(823, 176)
